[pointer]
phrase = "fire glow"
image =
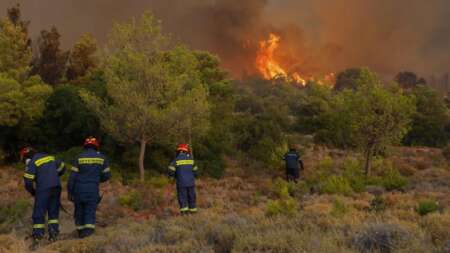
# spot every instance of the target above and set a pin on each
(268, 66)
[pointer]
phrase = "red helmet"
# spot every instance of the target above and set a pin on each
(26, 153)
(92, 141)
(183, 147)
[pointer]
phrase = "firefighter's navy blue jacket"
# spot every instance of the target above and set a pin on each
(184, 170)
(90, 169)
(44, 171)
(292, 160)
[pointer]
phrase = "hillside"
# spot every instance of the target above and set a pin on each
(251, 210)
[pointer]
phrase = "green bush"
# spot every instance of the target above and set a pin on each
(354, 173)
(336, 185)
(321, 172)
(133, 200)
(157, 181)
(378, 204)
(427, 206)
(393, 180)
(281, 188)
(286, 206)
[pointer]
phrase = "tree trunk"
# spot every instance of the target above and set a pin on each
(141, 159)
(368, 165)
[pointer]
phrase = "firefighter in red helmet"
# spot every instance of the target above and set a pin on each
(184, 170)
(91, 168)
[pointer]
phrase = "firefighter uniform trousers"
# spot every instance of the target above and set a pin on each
(47, 202)
(187, 198)
(85, 210)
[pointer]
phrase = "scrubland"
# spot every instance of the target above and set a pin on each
(403, 207)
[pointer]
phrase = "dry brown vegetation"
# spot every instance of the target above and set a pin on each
(246, 212)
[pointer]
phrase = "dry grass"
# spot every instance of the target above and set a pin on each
(233, 214)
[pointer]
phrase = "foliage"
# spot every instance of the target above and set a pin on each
(155, 91)
(132, 199)
(285, 206)
(15, 53)
(67, 120)
(21, 102)
(370, 117)
(354, 78)
(392, 179)
(313, 104)
(409, 80)
(12, 212)
(378, 204)
(352, 171)
(430, 121)
(50, 62)
(427, 206)
(82, 57)
(336, 185)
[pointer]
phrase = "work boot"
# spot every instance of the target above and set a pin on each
(80, 233)
(53, 236)
(88, 232)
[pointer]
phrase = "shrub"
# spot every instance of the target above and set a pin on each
(353, 172)
(286, 206)
(339, 208)
(12, 212)
(378, 204)
(281, 188)
(427, 206)
(157, 181)
(437, 227)
(133, 200)
(379, 237)
(393, 180)
(336, 185)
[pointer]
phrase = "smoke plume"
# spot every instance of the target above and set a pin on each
(317, 36)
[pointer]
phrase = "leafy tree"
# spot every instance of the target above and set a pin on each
(67, 120)
(354, 77)
(409, 80)
(82, 57)
(377, 117)
(15, 54)
(15, 16)
(154, 92)
(21, 98)
(430, 121)
(50, 63)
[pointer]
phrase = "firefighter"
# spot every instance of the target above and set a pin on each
(90, 169)
(184, 170)
(42, 181)
(293, 165)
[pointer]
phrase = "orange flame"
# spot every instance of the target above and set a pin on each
(268, 66)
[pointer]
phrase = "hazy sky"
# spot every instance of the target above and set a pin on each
(318, 35)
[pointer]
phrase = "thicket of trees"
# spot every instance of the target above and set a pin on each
(141, 93)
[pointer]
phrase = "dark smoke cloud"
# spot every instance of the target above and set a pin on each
(318, 36)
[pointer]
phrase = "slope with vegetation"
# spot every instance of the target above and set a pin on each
(376, 155)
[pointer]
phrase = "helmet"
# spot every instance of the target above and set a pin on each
(92, 141)
(26, 153)
(183, 147)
